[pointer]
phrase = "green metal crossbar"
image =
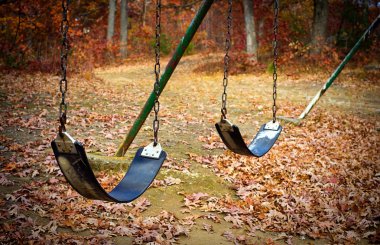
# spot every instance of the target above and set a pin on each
(335, 74)
(171, 66)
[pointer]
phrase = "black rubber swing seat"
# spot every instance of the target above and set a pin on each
(260, 145)
(72, 160)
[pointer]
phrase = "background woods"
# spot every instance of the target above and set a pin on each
(106, 31)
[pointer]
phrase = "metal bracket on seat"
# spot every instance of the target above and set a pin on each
(226, 126)
(65, 143)
(152, 151)
(272, 125)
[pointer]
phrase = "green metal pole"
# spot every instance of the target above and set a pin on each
(181, 48)
(336, 73)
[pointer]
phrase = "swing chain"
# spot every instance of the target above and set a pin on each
(157, 71)
(64, 55)
(275, 55)
(227, 61)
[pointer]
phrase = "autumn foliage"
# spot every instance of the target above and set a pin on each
(30, 33)
(320, 180)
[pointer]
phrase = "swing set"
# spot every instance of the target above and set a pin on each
(230, 133)
(71, 156)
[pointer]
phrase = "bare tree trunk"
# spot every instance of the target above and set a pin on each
(123, 28)
(261, 28)
(143, 16)
(208, 18)
(111, 20)
(250, 29)
(319, 31)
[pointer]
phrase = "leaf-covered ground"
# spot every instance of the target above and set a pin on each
(319, 184)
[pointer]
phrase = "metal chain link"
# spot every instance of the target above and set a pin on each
(275, 56)
(227, 61)
(157, 71)
(64, 55)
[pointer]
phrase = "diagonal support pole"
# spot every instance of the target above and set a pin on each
(171, 66)
(335, 74)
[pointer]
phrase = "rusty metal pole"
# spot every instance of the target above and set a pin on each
(171, 66)
(335, 74)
